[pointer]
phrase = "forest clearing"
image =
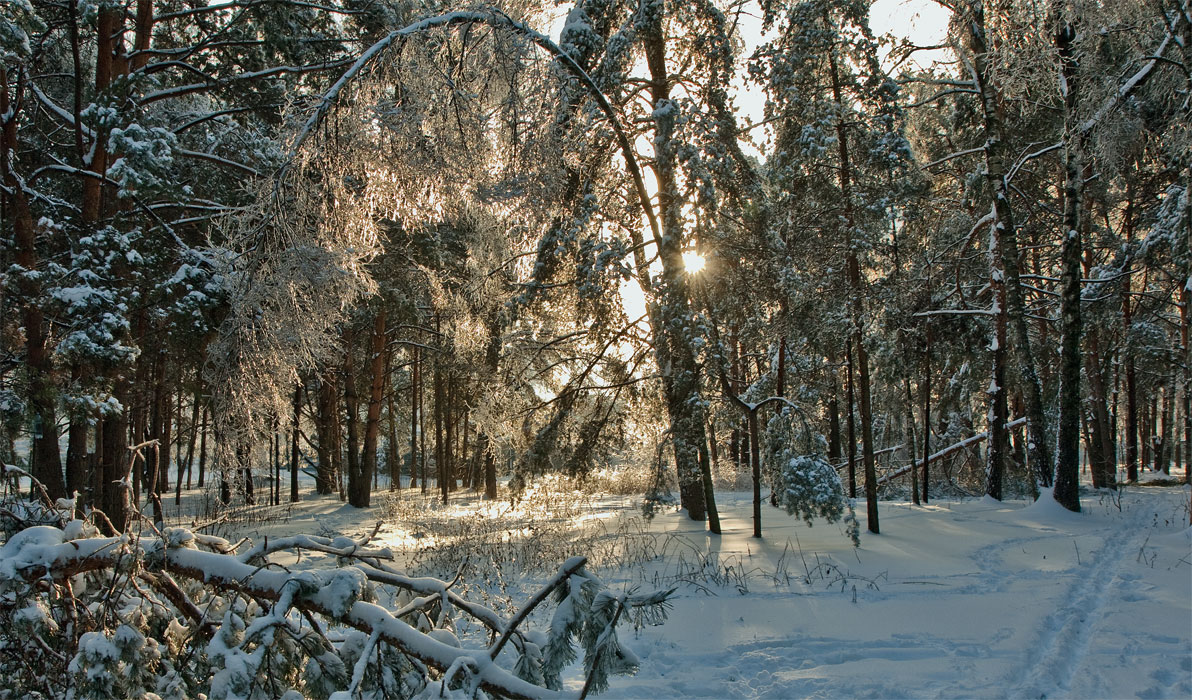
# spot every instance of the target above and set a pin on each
(361, 349)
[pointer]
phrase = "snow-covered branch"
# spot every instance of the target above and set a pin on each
(40, 557)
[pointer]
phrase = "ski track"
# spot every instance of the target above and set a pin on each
(1052, 662)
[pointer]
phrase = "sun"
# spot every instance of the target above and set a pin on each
(693, 262)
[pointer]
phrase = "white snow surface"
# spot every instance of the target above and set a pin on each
(972, 599)
(959, 598)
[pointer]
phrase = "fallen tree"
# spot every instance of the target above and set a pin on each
(170, 613)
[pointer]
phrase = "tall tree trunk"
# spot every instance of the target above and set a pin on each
(1166, 430)
(203, 444)
(1067, 465)
(857, 305)
(440, 397)
(671, 313)
(114, 467)
(834, 447)
(996, 146)
(76, 445)
(1185, 312)
(45, 458)
(352, 414)
(325, 431)
(295, 453)
(415, 413)
(394, 454)
(911, 437)
(850, 394)
(178, 452)
(492, 364)
(926, 415)
(999, 414)
(378, 360)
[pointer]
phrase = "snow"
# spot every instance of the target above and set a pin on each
(975, 598)
(959, 598)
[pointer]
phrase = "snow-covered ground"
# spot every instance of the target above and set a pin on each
(972, 598)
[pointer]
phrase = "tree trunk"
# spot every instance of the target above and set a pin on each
(415, 413)
(1067, 465)
(926, 414)
(857, 306)
(1038, 447)
(45, 458)
(326, 433)
(203, 443)
(295, 452)
(394, 454)
(852, 424)
(671, 316)
(755, 458)
(440, 397)
(834, 451)
(361, 497)
(998, 407)
(114, 464)
(1185, 312)
(352, 414)
(910, 433)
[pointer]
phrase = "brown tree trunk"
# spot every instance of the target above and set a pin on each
(361, 496)
(440, 397)
(45, 458)
(114, 463)
(910, 434)
(857, 306)
(834, 447)
(1067, 463)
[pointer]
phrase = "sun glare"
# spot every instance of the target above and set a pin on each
(693, 261)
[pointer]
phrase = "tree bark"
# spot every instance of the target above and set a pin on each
(1067, 465)
(857, 306)
(1038, 447)
(415, 413)
(671, 314)
(926, 414)
(352, 413)
(998, 407)
(295, 452)
(361, 496)
(45, 458)
(326, 433)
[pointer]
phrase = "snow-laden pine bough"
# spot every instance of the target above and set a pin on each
(171, 613)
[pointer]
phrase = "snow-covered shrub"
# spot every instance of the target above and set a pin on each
(805, 485)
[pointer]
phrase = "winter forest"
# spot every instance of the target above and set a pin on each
(365, 349)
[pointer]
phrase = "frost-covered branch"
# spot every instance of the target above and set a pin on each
(181, 580)
(496, 20)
